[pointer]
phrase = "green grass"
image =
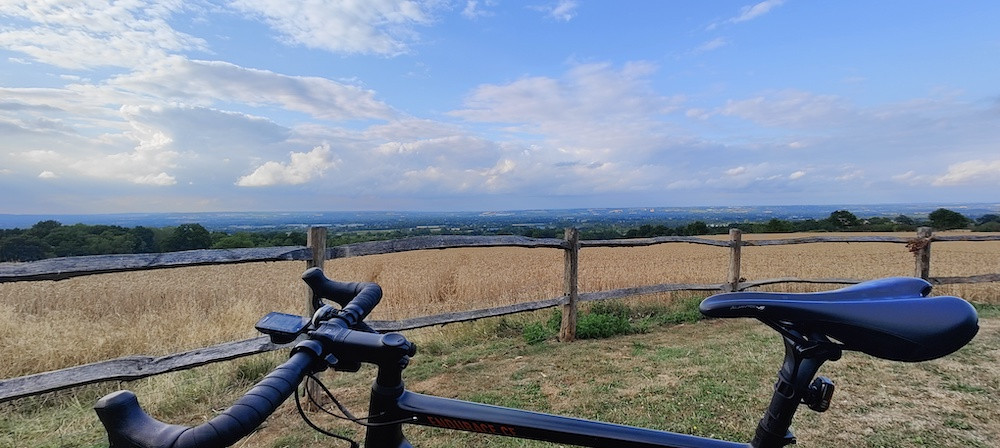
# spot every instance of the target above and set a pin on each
(987, 310)
(605, 319)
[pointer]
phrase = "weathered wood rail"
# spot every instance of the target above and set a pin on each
(135, 367)
(68, 267)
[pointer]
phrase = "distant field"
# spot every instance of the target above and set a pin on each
(99, 317)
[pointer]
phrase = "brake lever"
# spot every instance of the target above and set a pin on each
(324, 313)
(327, 312)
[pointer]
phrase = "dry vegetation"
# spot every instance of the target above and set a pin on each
(50, 325)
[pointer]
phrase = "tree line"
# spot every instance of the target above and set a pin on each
(838, 221)
(49, 239)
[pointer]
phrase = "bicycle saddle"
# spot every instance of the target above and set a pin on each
(889, 318)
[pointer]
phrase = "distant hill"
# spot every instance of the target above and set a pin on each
(373, 220)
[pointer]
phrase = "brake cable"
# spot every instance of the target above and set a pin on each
(347, 415)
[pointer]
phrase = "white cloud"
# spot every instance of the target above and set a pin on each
(474, 9)
(684, 184)
(39, 156)
(206, 82)
(698, 113)
(494, 177)
(159, 179)
(713, 44)
(144, 165)
(410, 129)
(206, 130)
(756, 10)
(565, 10)
(797, 175)
(301, 168)
(851, 174)
(502, 177)
(123, 34)
(791, 108)
(453, 151)
(47, 175)
(909, 177)
(562, 10)
(592, 113)
(983, 172)
(366, 27)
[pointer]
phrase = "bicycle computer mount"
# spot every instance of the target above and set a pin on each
(282, 327)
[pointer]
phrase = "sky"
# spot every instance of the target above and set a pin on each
(438, 105)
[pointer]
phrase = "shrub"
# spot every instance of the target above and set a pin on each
(598, 325)
(537, 332)
(991, 226)
(612, 318)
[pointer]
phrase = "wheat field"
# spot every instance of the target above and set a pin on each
(50, 325)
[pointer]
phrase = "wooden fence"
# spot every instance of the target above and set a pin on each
(136, 367)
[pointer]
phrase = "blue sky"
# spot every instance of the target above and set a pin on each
(268, 105)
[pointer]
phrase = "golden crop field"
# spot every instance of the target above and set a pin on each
(50, 325)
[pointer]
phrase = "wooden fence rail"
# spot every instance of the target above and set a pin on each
(135, 367)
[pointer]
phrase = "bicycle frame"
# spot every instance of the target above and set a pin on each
(392, 406)
(427, 410)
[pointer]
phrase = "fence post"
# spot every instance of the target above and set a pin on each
(922, 255)
(735, 248)
(316, 242)
(567, 329)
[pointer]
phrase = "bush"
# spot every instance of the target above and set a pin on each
(612, 318)
(991, 226)
(537, 332)
(604, 321)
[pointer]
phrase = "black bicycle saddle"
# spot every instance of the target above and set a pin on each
(891, 318)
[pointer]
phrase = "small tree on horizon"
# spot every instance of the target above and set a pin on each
(944, 219)
(188, 237)
(843, 219)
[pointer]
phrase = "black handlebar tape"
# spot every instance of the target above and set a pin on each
(358, 299)
(129, 426)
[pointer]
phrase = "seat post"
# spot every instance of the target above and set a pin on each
(802, 362)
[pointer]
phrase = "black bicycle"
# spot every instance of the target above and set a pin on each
(892, 318)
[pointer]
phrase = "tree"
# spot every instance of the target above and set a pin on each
(944, 219)
(988, 218)
(776, 225)
(237, 240)
(188, 237)
(696, 228)
(905, 220)
(843, 219)
(145, 242)
(23, 248)
(43, 228)
(992, 226)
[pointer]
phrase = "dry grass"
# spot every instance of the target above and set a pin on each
(50, 325)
